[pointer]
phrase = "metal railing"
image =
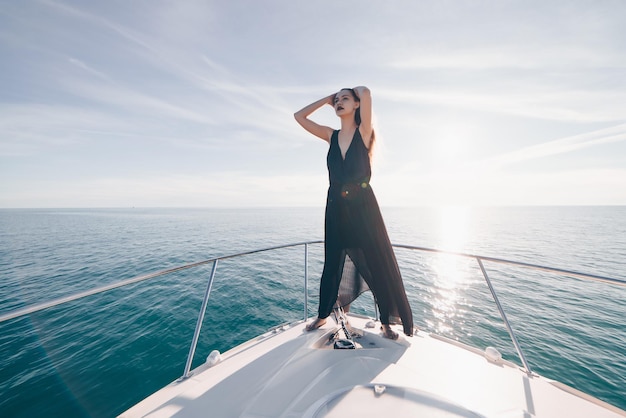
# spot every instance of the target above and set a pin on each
(479, 259)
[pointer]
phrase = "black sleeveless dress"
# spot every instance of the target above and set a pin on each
(358, 253)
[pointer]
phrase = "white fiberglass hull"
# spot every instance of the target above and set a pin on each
(289, 372)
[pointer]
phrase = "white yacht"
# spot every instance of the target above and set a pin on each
(347, 368)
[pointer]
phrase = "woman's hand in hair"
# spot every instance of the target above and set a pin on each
(361, 90)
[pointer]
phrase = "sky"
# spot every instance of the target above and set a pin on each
(165, 103)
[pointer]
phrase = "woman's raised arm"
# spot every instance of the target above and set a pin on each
(302, 116)
(366, 127)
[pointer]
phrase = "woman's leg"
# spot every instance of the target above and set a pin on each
(329, 286)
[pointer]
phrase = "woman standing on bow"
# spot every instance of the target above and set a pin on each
(354, 230)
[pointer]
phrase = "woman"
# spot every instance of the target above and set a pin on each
(357, 250)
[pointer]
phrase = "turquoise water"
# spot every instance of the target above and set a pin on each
(98, 356)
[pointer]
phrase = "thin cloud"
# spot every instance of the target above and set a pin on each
(270, 113)
(30, 128)
(90, 70)
(125, 98)
(563, 105)
(584, 186)
(513, 57)
(126, 33)
(558, 146)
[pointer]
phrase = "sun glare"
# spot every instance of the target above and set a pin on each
(451, 275)
(451, 142)
(450, 271)
(454, 221)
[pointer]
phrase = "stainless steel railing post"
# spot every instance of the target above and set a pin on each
(196, 333)
(306, 281)
(503, 315)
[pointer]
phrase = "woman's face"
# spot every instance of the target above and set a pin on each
(345, 103)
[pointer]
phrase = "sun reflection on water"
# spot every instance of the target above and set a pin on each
(451, 276)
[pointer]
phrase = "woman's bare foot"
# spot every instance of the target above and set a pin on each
(315, 324)
(388, 332)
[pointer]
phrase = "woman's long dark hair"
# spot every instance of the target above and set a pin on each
(357, 119)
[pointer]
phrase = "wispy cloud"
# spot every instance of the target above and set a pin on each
(556, 147)
(207, 93)
(29, 128)
(90, 70)
(94, 19)
(137, 102)
(522, 100)
(584, 186)
(513, 56)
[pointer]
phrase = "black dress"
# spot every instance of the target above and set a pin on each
(358, 253)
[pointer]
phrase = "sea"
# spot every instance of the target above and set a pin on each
(99, 355)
